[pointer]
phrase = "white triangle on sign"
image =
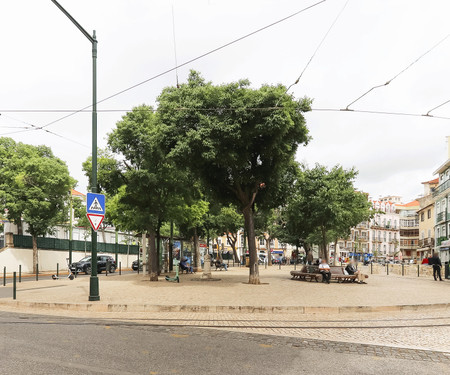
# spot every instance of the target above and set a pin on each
(95, 220)
(95, 206)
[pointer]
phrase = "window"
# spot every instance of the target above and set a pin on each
(429, 214)
(422, 216)
(262, 242)
(438, 207)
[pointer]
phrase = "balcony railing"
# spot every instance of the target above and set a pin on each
(440, 239)
(426, 242)
(441, 188)
(440, 217)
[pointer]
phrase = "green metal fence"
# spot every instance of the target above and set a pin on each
(63, 245)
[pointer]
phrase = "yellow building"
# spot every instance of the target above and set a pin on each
(426, 220)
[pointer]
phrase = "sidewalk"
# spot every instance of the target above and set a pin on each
(277, 293)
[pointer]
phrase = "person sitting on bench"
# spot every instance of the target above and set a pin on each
(324, 269)
(351, 270)
(220, 264)
(184, 266)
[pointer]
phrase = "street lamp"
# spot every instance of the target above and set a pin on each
(93, 281)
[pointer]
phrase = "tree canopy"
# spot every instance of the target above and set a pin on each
(237, 140)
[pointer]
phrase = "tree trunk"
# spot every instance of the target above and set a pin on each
(335, 251)
(250, 226)
(35, 253)
(197, 264)
(232, 240)
(158, 248)
(324, 244)
(171, 247)
(152, 256)
(269, 253)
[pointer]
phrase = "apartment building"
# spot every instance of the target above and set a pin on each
(409, 230)
(426, 220)
(441, 197)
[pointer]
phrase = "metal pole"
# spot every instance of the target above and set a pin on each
(93, 281)
(57, 269)
(371, 268)
(37, 271)
(418, 270)
(4, 276)
(120, 268)
(387, 268)
(403, 269)
(20, 273)
(70, 229)
(14, 285)
(138, 265)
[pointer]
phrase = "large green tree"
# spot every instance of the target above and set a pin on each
(326, 205)
(34, 186)
(230, 222)
(239, 141)
(142, 182)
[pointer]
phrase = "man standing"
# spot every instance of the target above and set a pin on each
(436, 262)
(324, 269)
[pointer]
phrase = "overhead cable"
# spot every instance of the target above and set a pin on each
(318, 47)
(190, 61)
(402, 71)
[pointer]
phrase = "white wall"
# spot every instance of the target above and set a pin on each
(13, 257)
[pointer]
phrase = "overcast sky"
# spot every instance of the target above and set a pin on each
(46, 64)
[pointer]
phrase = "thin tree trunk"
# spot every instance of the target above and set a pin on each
(250, 226)
(197, 262)
(35, 253)
(171, 247)
(158, 248)
(269, 253)
(324, 244)
(232, 240)
(335, 251)
(152, 257)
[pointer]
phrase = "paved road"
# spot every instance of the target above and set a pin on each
(56, 345)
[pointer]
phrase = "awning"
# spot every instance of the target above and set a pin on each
(277, 252)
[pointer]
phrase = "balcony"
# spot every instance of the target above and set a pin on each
(440, 239)
(426, 242)
(441, 188)
(440, 217)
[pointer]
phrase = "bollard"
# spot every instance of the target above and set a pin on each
(37, 271)
(76, 272)
(387, 268)
(4, 276)
(20, 273)
(371, 268)
(403, 269)
(120, 268)
(14, 285)
(279, 265)
(295, 265)
(418, 270)
(57, 269)
(107, 266)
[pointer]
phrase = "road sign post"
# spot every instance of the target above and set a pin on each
(95, 212)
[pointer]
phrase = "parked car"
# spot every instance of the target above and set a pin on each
(84, 265)
(134, 265)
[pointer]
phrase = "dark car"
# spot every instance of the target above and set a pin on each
(134, 265)
(84, 265)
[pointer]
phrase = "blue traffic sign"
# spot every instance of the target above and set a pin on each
(95, 203)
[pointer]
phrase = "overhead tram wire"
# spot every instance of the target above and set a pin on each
(190, 61)
(439, 106)
(318, 47)
(35, 127)
(402, 71)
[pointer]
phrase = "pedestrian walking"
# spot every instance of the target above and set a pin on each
(435, 261)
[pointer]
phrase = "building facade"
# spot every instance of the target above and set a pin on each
(426, 221)
(441, 197)
(409, 230)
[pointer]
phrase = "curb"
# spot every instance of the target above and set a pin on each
(104, 307)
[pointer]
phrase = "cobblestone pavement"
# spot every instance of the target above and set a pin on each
(419, 336)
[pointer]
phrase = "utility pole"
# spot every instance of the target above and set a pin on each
(93, 281)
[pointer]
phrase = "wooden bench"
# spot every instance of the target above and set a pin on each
(338, 273)
(304, 275)
(312, 273)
